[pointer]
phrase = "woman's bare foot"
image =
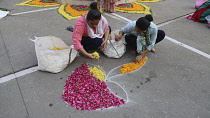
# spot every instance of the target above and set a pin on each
(153, 50)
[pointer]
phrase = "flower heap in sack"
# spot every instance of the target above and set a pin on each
(85, 89)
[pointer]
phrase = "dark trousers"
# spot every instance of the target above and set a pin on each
(131, 39)
(92, 44)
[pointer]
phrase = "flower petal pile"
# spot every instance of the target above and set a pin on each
(133, 66)
(84, 92)
(97, 72)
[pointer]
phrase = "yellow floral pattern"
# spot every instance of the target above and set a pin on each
(69, 13)
(73, 12)
(38, 3)
(136, 8)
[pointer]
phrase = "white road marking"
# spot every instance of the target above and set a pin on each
(188, 47)
(115, 17)
(121, 17)
(34, 11)
(18, 74)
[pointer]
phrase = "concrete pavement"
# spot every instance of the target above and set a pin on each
(174, 83)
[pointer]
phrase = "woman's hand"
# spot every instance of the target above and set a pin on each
(118, 37)
(103, 45)
(138, 58)
(87, 55)
(90, 56)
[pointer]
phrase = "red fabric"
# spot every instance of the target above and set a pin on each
(197, 14)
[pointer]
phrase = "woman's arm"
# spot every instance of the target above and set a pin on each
(127, 29)
(139, 57)
(118, 37)
(106, 36)
(88, 55)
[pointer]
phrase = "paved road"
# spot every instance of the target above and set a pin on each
(174, 83)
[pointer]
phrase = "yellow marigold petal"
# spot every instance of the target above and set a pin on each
(132, 66)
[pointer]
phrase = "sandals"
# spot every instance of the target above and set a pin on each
(70, 28)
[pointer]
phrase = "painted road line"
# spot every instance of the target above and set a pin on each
(188, 47)
(34, 11)
(7, 78)
(121, 17)
(27, 71)
(115, 17)
(18, 74)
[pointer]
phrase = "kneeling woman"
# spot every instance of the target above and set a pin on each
(141, 35)
(91, 31)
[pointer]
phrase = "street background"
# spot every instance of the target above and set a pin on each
(174, 83)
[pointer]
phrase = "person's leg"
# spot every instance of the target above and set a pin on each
(160, 36)
(91, 44)
(131, 41)
(110, 29)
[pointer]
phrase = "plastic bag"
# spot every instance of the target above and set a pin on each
(114, 49)
(53, 55)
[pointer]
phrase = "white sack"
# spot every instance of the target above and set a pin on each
(50, 60)
(114, 49)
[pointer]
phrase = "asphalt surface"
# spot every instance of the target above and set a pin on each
(174, 83)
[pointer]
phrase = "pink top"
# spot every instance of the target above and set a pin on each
(80, 29)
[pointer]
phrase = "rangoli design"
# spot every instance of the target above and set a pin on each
(71, 12)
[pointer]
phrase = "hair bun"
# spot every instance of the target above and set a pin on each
(149, 17)
(93, 5)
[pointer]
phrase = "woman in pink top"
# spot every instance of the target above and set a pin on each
(91, 31)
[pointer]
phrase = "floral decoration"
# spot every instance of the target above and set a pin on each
(85, 92)
(133, 7)
(40, 3)
(74, 11)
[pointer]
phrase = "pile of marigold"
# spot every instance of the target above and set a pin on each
(97, 72)
(133, 66)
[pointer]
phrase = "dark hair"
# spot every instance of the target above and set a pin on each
(149, 17)
(94, 13)
(144, 22)
(93, 5)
